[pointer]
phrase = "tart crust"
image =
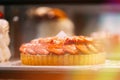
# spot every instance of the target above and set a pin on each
(64, 60)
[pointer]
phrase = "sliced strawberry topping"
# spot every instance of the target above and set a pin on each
(55, 48)
(70, 49)
(55, 45)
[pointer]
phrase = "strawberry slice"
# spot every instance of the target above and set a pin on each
(70, 49)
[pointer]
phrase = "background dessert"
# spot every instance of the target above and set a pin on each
(47, 19)
(111, 43)
(4, 41)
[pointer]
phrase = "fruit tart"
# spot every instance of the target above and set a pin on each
(65, 51)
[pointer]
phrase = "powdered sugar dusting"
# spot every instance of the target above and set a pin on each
(62, 34)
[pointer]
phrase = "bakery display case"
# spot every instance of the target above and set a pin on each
(73, 23)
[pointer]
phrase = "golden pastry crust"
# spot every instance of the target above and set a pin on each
(63, 60)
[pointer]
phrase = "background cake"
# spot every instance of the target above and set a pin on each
(4, 41)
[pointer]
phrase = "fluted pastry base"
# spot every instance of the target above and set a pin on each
(63, 60)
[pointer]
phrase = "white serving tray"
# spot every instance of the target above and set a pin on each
(16, 65)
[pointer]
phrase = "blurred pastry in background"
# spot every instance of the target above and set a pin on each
(114, 46)
(103, 38)
(4, 41)
(111, 43)
(51, 21)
